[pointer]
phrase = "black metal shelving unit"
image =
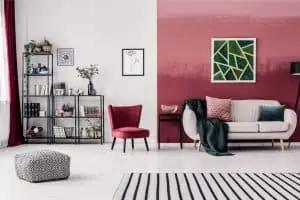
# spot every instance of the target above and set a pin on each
(55, 118)
(100, 117)
(51, 118)
(28, 98)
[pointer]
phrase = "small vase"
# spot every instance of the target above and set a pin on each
(90, 88)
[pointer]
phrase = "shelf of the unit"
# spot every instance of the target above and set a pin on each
(36, 117)
(36, 138)
(37, 96)
(38, 53)
(85, 95)
(89, 117)
(64, 117)
(37, 74)
(64, 138)
(64, 95)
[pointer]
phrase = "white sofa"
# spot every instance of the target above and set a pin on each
(244, 125)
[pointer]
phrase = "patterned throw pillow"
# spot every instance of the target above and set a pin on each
(218, 108)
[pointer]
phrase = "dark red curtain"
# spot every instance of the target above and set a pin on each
(16, 133)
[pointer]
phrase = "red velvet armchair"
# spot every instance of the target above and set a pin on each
(125, 122)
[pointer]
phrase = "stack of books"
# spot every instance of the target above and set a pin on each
(89, 111)
(41, 90)
(31, 109)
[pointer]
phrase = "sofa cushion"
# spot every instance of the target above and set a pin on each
(266, 127)
(248, 110)
(130, 132)
(243, 127)
(271, 113)
(218, 108)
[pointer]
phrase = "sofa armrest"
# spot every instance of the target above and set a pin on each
(290, 117)
(189, 123)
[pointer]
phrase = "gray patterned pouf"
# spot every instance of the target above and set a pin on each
(42, 165)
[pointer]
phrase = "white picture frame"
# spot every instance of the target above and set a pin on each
(239, 80)
(65, 57)
(133, 62)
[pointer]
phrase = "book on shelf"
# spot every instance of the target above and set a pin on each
(41, 90)
(92, 111)
(59, 131)
(31, 109)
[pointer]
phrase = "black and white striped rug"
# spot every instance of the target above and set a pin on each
(209, 186)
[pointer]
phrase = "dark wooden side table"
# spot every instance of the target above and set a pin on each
(174, 118)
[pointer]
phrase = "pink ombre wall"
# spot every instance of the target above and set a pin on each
(185, 29)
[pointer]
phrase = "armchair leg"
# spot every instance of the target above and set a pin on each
(282, 145)
(146, 143)
(124, 146)
(113, 143)
(272, 143)
(289, 146)
(132, 143)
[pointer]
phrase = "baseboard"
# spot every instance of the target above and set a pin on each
(152, 140)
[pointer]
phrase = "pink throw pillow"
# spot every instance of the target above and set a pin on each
(218, 108)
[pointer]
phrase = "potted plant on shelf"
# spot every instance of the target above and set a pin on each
(34, 46)
(68, 110)
(93, 129)
(46, 45)
(29, 47)
(88, 73)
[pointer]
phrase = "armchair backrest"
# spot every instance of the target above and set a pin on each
(124, 116)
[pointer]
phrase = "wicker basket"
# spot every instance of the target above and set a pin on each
(69, 131)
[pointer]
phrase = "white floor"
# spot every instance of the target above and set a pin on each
(96, 170)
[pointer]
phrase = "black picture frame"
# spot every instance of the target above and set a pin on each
(124, 73)
(61, 52)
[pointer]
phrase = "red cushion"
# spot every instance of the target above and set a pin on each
(218, 108)
(130, 132)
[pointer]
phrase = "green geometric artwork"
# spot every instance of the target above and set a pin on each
(233, 60)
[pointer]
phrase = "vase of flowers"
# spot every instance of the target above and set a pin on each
(91, 88)
(46, 45)
(88, 73)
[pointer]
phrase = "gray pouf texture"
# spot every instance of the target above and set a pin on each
(42, 165)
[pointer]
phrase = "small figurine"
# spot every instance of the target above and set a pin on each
(34, 131)
(44, 69)
(78, 92)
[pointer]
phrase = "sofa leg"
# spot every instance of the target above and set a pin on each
(272, 143)
(195, 144)
(124, 145)
(199, 149)
(281, 144)
(113, 143)
(289, 146)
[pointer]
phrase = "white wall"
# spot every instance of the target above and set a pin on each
(4, 123)
(98, 30)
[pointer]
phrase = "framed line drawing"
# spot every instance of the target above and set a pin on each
(233, 60)
(133, 62)
(65, 56)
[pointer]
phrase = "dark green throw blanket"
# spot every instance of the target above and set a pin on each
(213, 132)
